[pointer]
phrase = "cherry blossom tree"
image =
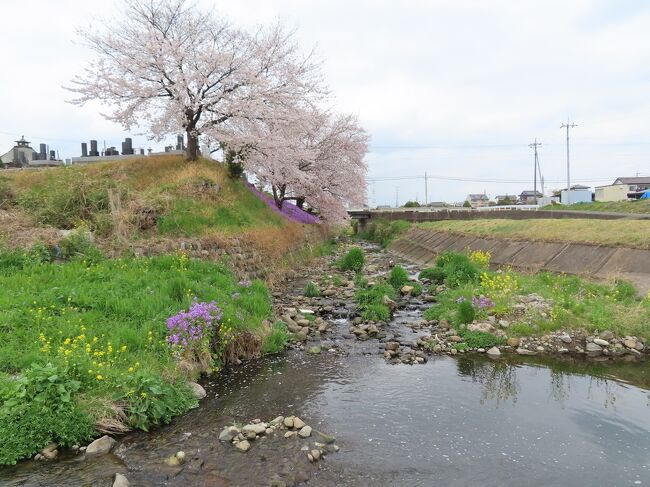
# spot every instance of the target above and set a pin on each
(311, 156)
(169, 67)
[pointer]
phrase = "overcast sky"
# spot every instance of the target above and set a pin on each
(454, 88)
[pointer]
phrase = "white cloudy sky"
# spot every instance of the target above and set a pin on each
(456, 88)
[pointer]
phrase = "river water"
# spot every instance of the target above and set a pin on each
(453, 421)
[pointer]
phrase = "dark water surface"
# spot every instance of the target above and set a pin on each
(452, 421)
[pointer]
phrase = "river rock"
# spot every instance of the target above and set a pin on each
(228, 433)
(50, 452)
(391, 346)
(593, 348)
(100, 446)
(256, 429)
(494, 352)
(513, 342)
(305, 432)
(566, 338)
(601, 342)
(290, 434)
(277, 421)
(525, 351)
(120, 481)
(243, 445)
(197, 390)
(455, 339)
(325, 438)
(484, 327)
(314, 350)
(389, 302)
(607, 335)
(407, 289)
(288, 421)
(315, 454)
(298, 423)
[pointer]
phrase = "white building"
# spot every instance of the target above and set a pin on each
(578, 194)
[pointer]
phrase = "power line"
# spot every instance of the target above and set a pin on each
(473, 180)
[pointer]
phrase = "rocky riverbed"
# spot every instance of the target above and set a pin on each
(325, 322)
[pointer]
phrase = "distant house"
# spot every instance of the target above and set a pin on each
(578, 194)
(506, 199)
(477, 200)
(623, 189)
(529, 197)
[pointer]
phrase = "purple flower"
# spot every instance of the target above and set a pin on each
(193, 326)
(461, 300)
(245, 283)
(482, 302)
(289, 210)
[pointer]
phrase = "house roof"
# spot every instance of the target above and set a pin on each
(504, 196)
(531, 193)
(479, 196)
(634, 180)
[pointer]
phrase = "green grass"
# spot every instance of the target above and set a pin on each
(398, 277)
(575, 304)
(102, 325)
(597, 232)
(637, 206)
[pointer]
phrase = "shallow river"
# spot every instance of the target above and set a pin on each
(452, 421)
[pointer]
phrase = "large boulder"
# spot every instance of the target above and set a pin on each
(101, 446)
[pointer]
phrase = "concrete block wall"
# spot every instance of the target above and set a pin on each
(422, 246)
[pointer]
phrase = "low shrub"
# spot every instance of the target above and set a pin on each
(434, 274)
(417, 289)
(624, 291)
(371, 301)
(312, 290)
(398, 277)
(458, 268)
(79, 245)
(152, 401)
(40, 408)
(353, 260)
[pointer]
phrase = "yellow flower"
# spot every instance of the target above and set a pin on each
(99, 377)
(131, 369)
(123, 348)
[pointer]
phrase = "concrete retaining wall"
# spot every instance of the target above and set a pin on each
(423, 246)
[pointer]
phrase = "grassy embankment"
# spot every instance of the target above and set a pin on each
(638, 206)
(575, 302)
(627, 233)
(87, 347)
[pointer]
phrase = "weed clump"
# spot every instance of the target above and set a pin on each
(398, 277)
(353, 260)
(434, 274)
(312, 290)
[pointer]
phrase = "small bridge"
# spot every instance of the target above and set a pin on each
(513, 212)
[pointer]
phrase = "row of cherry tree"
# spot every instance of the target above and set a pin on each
(167, 65)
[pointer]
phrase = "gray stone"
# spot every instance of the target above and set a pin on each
(243, 446)
(120, 481)
(256, 429)
(593, 348)
(316, 454)
(228, 433)
(305, 432)
(100, 446)
(525, 351)
(566, 338)
(50, 452)
(314, 350)
(288, 421)
(197, 390)
(298, 423)
(607, 335)
(494, 352)
(601, 342)
(276, 421)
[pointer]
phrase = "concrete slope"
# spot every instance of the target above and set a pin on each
(603, 263)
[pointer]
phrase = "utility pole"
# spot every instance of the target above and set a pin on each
(568, 126)
(396, 196)
(426, 190)
(535, 145)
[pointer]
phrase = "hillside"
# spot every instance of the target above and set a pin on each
(146, 202)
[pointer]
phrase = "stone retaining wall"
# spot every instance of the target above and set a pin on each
(600, 262)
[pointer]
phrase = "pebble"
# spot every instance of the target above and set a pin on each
(494, 352)
(305, 432)
(120, 481)
(243, 445)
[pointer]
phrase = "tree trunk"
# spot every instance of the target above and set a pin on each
(192, 151)
(278, 195)
(300, 202)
